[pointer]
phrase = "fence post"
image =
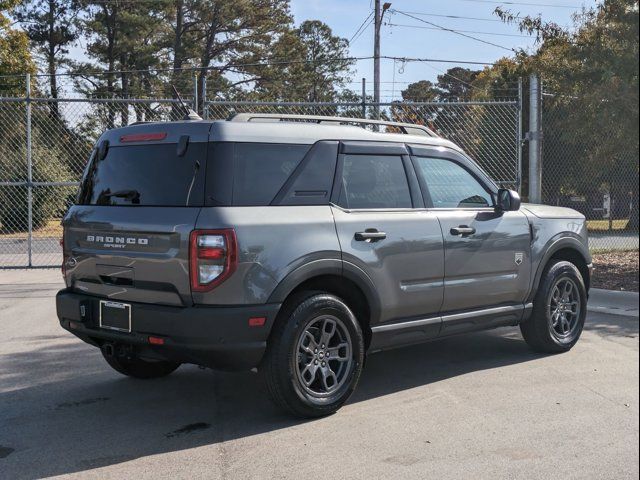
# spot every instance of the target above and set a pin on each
(205, 110)
(534, 137)
(29, 170)
(364, 97)
(519, 143)
(195, 92)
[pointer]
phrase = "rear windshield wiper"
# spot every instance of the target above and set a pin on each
(132, 195)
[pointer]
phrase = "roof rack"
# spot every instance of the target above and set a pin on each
(405, 128)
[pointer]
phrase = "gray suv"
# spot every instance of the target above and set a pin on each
(298, 245)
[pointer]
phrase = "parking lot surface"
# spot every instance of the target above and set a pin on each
(475, 406)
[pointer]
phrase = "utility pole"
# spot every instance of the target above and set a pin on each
(378, 14)
(364, 97)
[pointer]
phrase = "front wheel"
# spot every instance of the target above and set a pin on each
(315, 355)
(559, 310)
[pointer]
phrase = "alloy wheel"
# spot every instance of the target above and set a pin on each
(324, 356)
(564, 308)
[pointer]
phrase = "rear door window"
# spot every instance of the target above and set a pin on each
(374, 181)
(146, 175)
(261, 169)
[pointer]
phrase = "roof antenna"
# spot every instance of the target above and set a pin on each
(190, 115)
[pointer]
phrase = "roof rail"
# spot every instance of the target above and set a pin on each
(405, 128)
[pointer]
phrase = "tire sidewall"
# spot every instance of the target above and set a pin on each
(311, 308)
(554, 274)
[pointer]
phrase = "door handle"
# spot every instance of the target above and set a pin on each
(463, 230)
(370, 235)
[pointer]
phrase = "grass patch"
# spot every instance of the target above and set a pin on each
(51, 229)
(603, 225)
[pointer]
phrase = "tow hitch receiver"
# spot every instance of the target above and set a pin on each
(118, 350)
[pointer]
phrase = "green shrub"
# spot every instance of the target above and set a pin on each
(48, 201)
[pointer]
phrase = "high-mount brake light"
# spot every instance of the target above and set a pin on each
(143, 137)
(213, 258)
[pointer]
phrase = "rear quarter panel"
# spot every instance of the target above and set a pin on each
(273, 241)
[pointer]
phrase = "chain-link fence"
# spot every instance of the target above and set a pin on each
(591, 170)
(44, 144)
(487, 131)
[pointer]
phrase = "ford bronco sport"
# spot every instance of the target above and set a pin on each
(297, 245)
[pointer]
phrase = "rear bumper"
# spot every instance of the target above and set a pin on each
(216, 337)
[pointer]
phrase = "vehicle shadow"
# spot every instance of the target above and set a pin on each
(605, 324)
(62, 410)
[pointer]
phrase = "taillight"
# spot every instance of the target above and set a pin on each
(213, 258)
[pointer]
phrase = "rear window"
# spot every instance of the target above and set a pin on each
(260, 170)
(146, 175)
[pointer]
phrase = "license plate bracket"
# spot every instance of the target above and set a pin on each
(115, 316)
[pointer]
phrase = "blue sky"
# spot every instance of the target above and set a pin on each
(401, 38)
(345, 16)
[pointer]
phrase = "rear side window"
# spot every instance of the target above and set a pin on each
(374, 181)
(261, 169)
(146, 175)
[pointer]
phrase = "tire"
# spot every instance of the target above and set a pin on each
(138, 368)
(558, 317)
(300, 377)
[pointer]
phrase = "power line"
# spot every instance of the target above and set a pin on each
(362, 31)
(463, 31)
(360, 27)
(436, 60)
(456, 17)
(452, 76)
(526, 4)
(453, 31)
(270, 62)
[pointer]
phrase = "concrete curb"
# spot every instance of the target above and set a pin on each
(614, 302)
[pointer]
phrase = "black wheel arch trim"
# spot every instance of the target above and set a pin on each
(559, 242)
(330, 266)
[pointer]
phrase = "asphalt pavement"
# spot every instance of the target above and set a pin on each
(475, 406)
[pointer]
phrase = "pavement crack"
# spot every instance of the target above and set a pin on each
(599, 394)
(79, 403)
(190, 428)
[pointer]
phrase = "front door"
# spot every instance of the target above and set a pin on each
(486, 252)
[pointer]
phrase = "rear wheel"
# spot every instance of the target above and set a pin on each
(315, 355)
(139, 368)
(559, 310)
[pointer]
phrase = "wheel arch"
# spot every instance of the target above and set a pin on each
(566, 248)
(337, 277)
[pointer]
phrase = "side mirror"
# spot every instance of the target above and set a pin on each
(508, 200)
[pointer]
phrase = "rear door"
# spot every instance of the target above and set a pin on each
(384, 229)
(487, 252)
(128, 236)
